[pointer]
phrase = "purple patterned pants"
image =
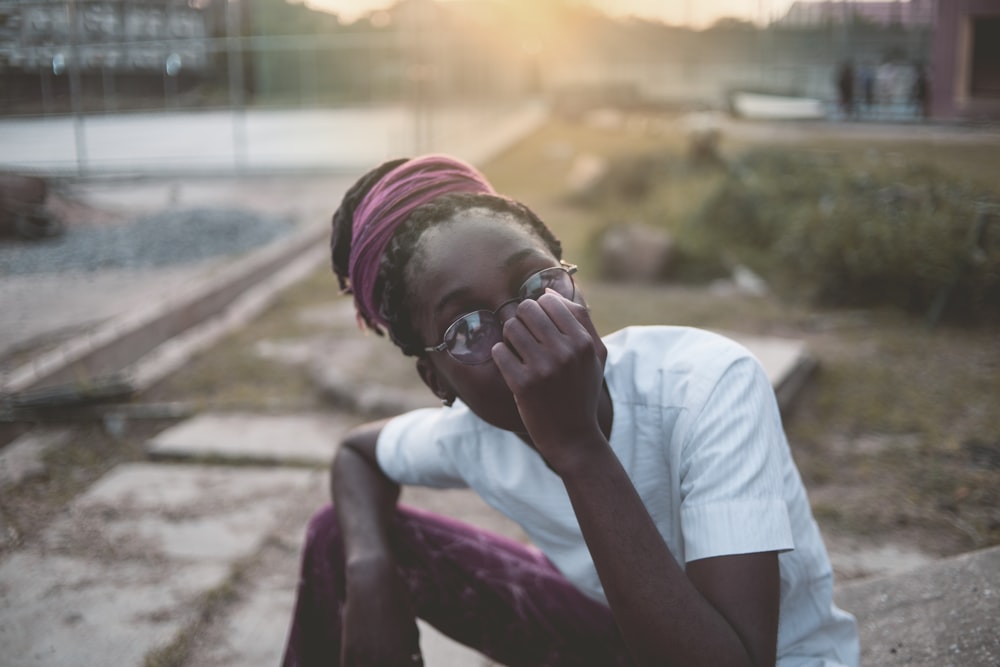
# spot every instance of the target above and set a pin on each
(498, 596)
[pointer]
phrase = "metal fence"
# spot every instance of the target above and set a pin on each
(91, 59)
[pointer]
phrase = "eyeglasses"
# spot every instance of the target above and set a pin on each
(470, 338)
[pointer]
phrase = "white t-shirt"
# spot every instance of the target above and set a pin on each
(697, 429)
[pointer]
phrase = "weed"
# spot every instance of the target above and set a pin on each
(209, 606)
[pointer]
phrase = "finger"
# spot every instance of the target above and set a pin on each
(582, 316)
(560, 311)
(508, 363)
(555, 327)
(537, 321)
(523, 342)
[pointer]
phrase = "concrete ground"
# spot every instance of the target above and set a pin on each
(213, 522)
(144, 547)
(219, 511)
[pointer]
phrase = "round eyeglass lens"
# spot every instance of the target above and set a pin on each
(557, 278)
(472, 337)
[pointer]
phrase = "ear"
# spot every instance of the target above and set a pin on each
(437, 384)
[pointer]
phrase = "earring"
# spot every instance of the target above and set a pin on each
(447, 401)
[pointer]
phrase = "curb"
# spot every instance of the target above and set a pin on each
(114, 360)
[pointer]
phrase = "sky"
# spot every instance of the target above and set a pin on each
(698, 13)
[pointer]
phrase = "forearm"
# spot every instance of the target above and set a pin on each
(663, 618)
(379, 625)
(365, 500)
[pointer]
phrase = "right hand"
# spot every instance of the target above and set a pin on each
(379, 625)
(552, 359)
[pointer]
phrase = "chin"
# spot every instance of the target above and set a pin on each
(505, 418)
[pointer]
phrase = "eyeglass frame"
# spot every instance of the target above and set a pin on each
(568, 268)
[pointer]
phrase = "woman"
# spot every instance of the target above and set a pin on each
(668, 521)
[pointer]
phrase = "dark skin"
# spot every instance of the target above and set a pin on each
(544, 377)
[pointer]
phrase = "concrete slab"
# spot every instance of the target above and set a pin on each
(254, 633)
(786, 361)
(64, 610)
(941, 615)
(127, 337)
(778, 356)
(854, 559)
(49, 308)
(299, 438)
(440, 651)
(120, 573)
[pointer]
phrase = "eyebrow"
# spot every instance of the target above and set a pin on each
(510, 261)
(518, 256)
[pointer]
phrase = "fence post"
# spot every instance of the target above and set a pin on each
(74, 90)
(234, 56)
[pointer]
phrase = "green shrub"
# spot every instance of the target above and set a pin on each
(859, 235)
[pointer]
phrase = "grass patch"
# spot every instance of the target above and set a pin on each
(860, 230)
(912, 225)
(69, 469)
(233, 375)
(209, 606)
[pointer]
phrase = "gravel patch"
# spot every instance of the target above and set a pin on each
(163, 239)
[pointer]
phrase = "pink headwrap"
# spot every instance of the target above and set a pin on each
(388, 204)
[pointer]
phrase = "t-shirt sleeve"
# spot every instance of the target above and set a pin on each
(412, 449)
(732, 499)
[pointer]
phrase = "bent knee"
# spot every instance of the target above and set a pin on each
(323, 526)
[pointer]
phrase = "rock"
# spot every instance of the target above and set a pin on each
(938, 614)
(747, 282)
(587, 169)
(703, 132)
(22, 208)
(635, 253)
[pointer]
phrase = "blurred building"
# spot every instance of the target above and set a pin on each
(121, 35)
(102, 53)
(909, 14)
(965, 81)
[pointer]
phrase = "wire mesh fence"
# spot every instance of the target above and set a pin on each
(439, 69)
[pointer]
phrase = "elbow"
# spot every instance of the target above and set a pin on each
(355, 471)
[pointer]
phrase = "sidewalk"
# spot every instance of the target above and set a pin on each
(346, 140)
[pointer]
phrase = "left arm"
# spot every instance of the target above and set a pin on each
(722, 610)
